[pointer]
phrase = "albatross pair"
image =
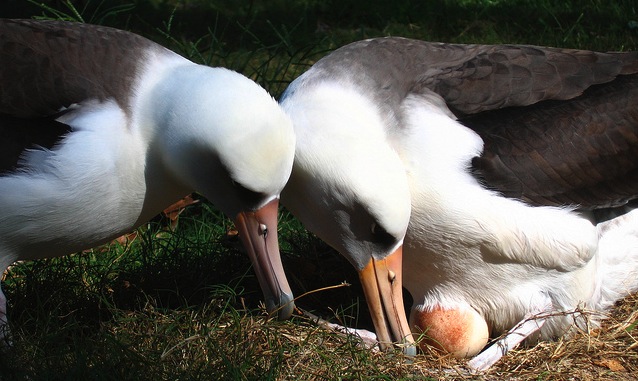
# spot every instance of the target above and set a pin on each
(470, 174)
(476, 176)
(102, 129)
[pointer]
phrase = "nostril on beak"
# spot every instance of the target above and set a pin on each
(263, 230)
(391, 276)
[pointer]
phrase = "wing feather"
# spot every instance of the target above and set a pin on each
(581, 152)
(48, 65)
(560, 125)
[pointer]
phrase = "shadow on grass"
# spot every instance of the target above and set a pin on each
(174, 305)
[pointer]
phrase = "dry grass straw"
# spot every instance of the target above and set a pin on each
(606, 353)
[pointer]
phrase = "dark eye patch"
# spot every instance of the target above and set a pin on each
(249, 198)
(382, 237)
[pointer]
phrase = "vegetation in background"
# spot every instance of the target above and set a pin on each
(269, 39)
(185, 305)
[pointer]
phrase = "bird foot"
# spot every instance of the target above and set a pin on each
(368, 339)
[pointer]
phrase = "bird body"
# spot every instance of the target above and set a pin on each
(510, 153)
(469, 248)
(140, 128)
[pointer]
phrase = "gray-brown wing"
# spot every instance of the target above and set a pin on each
(47, 65)
(546, 142)
(581, 152)
(483, 77)
(470, 78)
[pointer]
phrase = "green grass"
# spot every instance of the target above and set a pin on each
(185, 305)
(178, 305)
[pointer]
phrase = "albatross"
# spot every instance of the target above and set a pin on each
(494, 182)
(102, 129)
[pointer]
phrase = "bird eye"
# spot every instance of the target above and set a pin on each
(380, 235)
(248, 197)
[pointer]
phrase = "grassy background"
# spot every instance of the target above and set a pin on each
(185, 305)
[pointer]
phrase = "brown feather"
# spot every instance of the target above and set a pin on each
(47, 65)
(560, 125)
(582, 152)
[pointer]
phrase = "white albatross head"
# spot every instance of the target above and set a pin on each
(225, 137)
(348, 186)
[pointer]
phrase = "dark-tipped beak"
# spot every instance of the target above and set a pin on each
(382, 285)
(258, 232)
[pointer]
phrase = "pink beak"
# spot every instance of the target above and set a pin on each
(258, 233)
